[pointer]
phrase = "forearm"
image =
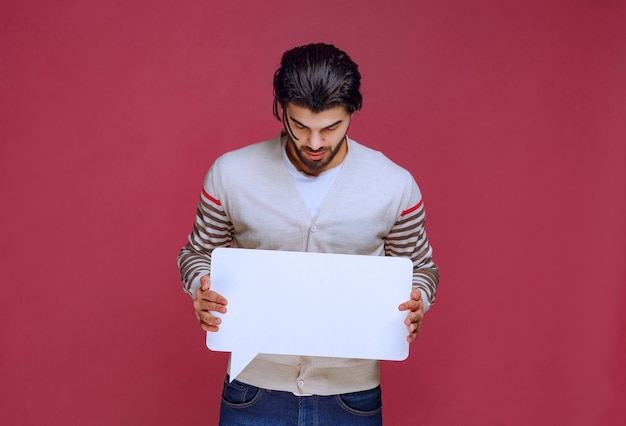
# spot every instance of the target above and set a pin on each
(408, 239)
(212, 229)
(193, 264)
(426, 279)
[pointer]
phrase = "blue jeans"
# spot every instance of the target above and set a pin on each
(246, 405)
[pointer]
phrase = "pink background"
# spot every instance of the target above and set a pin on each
(510, 114)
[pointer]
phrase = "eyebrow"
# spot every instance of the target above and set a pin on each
(305, 126)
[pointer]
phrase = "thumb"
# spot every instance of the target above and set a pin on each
(416, 294)
(205, 283)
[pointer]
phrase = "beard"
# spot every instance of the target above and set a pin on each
(316, 165)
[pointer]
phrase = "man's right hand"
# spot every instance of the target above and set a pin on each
(208, 301)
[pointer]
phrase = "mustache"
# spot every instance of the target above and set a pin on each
(314, 151)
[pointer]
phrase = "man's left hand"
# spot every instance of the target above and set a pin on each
(414, 319)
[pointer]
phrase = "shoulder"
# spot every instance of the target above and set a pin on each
(249, 155)
(374, 163)
(238, 168)
(370, 169)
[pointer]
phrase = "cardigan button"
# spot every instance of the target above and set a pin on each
(313, 228)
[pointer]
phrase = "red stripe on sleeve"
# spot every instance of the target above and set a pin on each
(215, 200)
(412, 209)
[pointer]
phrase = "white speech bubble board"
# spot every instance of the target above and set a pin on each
(309, 304)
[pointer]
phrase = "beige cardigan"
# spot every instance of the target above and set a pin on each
(250, 201)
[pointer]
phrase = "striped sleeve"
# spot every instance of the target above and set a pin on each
(407, 238)
(211, 229)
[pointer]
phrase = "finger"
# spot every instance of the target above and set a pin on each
(211, 297)
(413, 331)
(411, 305)
(412, 334)
(209, 322)
(411, 321)
(209, 327)
(205, 305)
(208, 319)
(416, 294)
(205, 282)
(415, 315)
(217, 298)
(415, 326)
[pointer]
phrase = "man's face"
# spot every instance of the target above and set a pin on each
(319, 142)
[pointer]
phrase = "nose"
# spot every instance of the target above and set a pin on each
(315, 141)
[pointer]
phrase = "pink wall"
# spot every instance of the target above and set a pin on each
(509, 113)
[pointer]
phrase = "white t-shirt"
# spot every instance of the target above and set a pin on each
(313, 189)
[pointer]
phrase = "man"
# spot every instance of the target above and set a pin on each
(310, 189)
